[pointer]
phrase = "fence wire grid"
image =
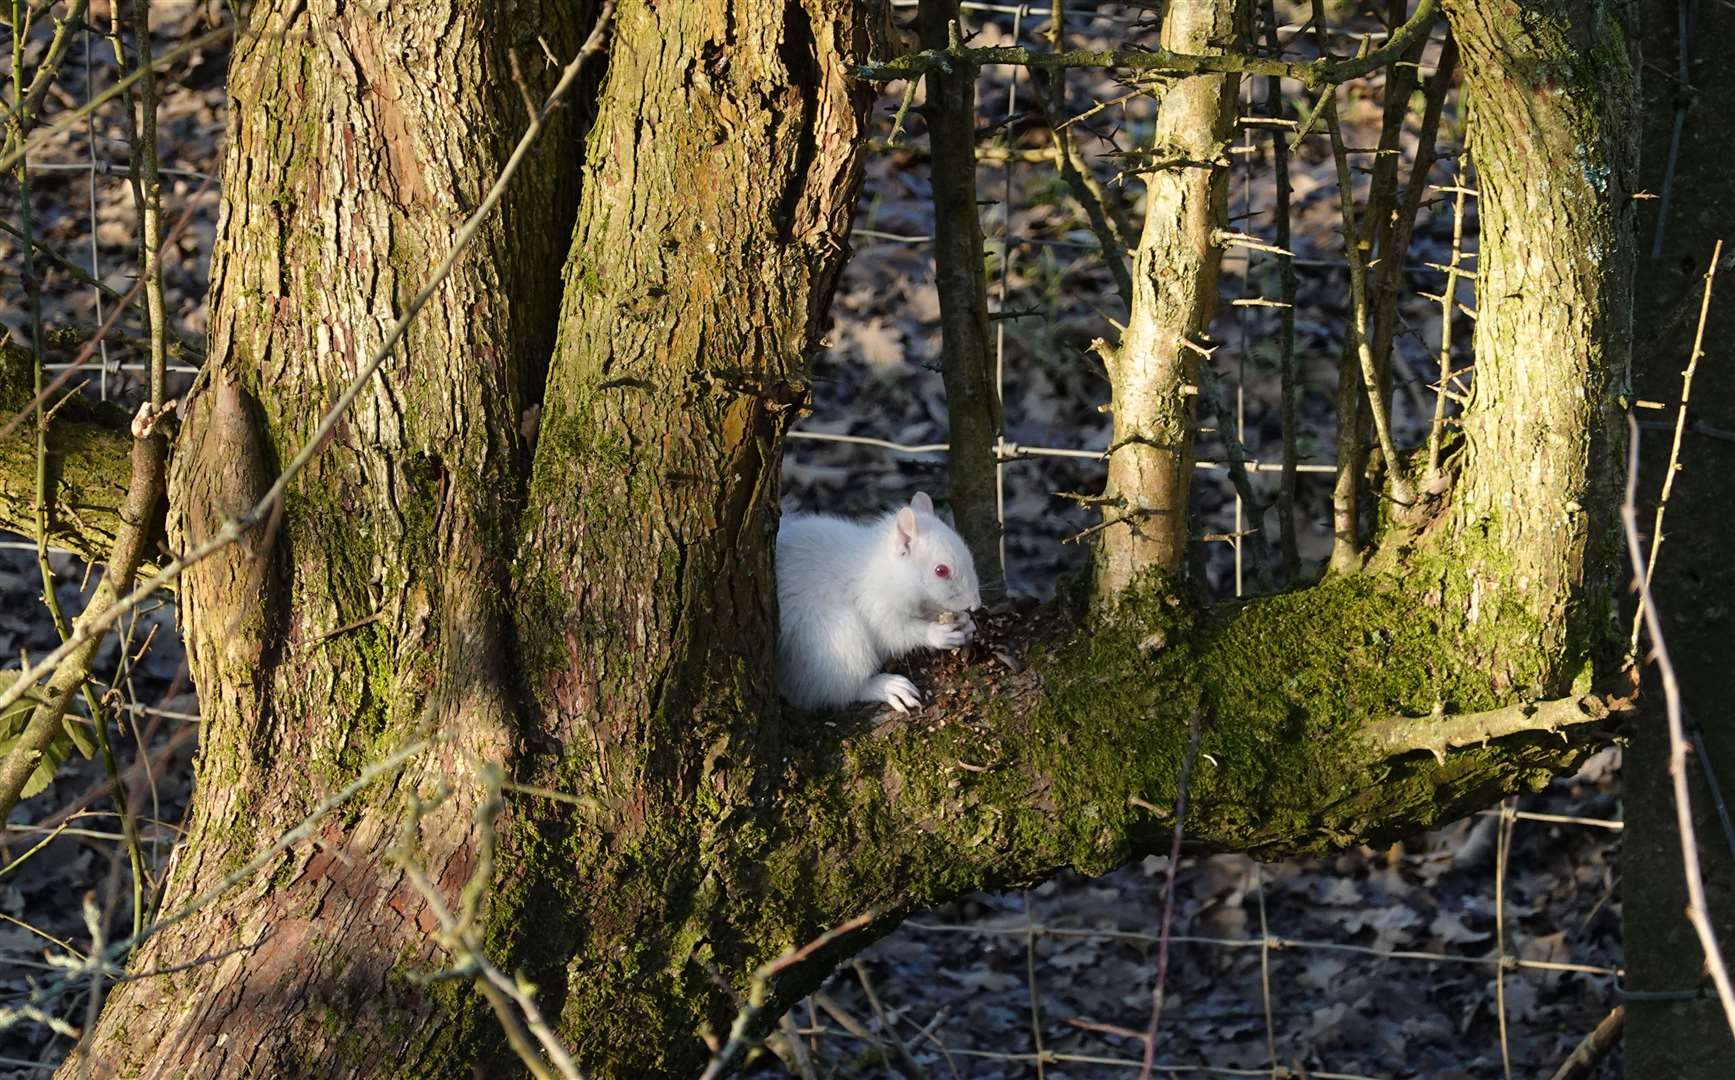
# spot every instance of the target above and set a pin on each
(853, 1012)
(860, 1018)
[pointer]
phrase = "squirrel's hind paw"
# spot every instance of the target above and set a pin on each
(895, 690)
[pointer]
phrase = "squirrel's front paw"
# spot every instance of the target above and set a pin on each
(896, 691)
(951, 635)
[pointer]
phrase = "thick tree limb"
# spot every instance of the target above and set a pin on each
(1320, 736)
(141, 518)
(88, 448)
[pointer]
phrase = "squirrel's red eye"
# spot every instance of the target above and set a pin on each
(942, 571)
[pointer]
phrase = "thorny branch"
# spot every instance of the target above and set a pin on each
(1674, 464)
(1448, 304)
(1099, 202)
(1395, 246)
(1313, 74)
(512, 999)
(1697, 906)
(1398, 483)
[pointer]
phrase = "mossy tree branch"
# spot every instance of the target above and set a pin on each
(1383, 723)
(88, 462)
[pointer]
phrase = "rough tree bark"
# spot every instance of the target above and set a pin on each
(359, 141)
(595, 610)
(1154, 370)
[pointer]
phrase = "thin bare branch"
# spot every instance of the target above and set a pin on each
(1397, 483)
(1698, 908)
(1322, 72)
(1674, 465)
(759, 992)
(1157, 985)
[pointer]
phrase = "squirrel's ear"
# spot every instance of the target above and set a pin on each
(921, 504)
(904, 531)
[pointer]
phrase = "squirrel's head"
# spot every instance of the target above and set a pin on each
(932, 560)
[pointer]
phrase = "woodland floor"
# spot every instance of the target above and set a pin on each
(963, 987)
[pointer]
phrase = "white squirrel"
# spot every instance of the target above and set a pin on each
(853, 595)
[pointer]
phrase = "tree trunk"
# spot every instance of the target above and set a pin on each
(596, 611)
(1154, 371)
(725, 167)
(1553, 88)
(374, 609)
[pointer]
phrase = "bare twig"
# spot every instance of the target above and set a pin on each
(1397, 482)
(1674, 465)
(1697, 906)
(759, 991)
(1448, 301)
(1394, 236)
(1030, 983)
(512, 1000)
(907, 1062)
(1100, 203)
(1265, 963)
(1503, 850)
(27, 102)
(1169, 897)
(145, 164)
(1591, 1049)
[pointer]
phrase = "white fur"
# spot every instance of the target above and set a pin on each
(853, 595)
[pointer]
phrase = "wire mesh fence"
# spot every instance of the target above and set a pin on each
(1242, 440)
(890, 1022)
(895, 1038)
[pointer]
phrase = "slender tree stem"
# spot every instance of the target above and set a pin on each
(1289, 552)
(967, 353)
(144, 157)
